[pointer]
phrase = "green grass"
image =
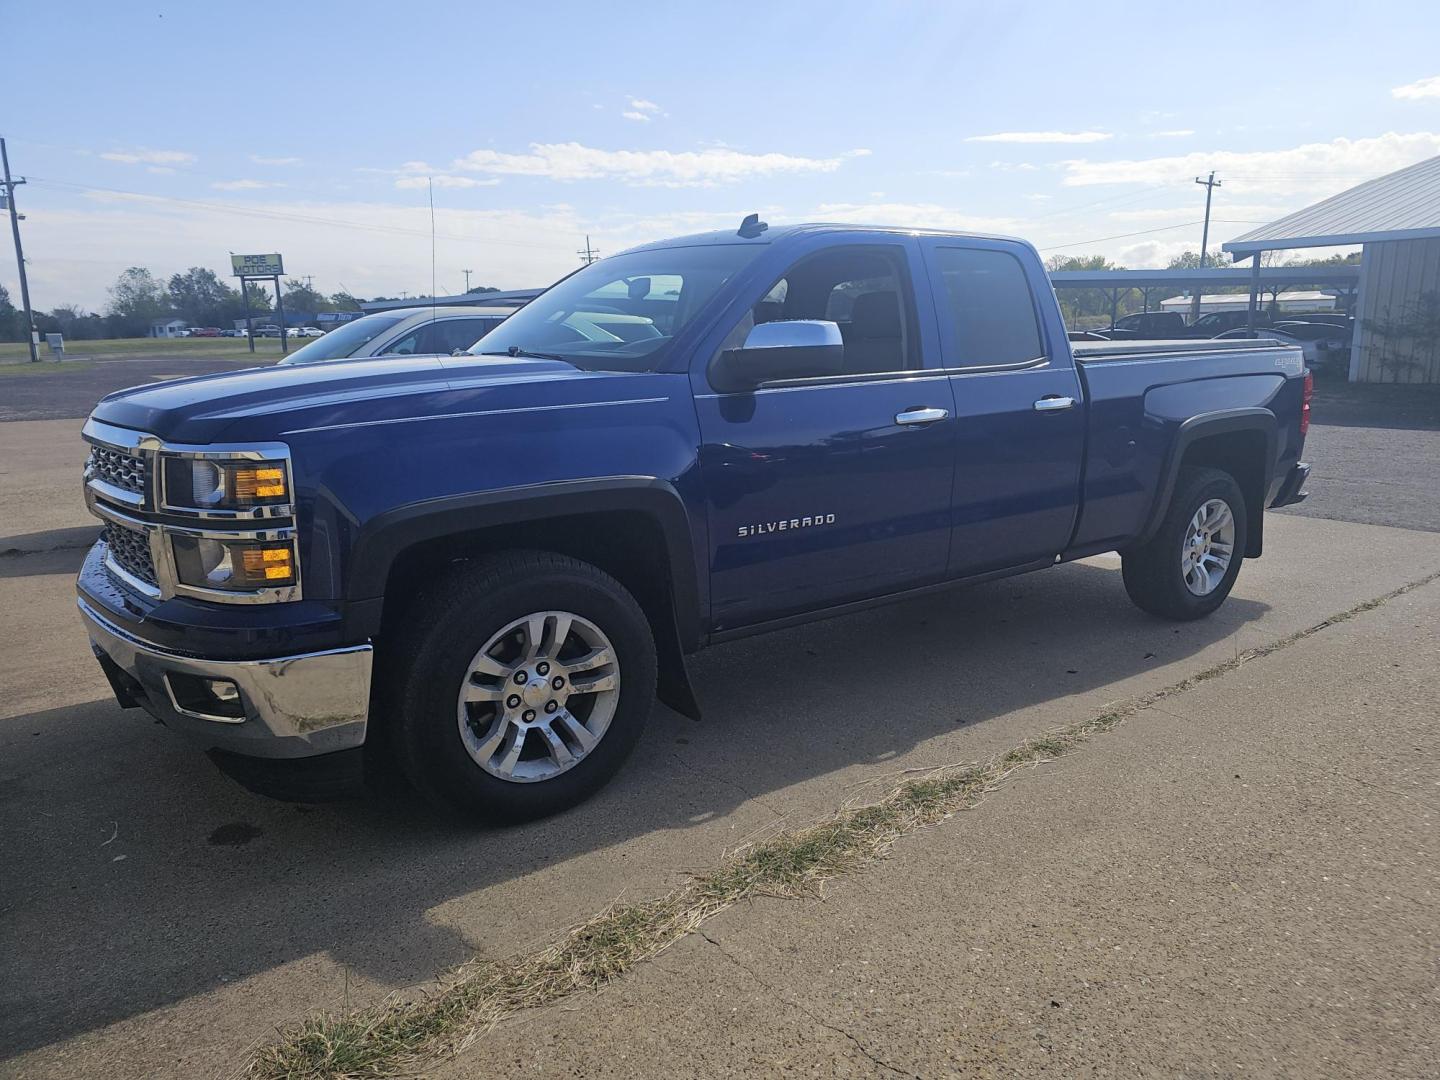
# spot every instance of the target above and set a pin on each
(159, 348)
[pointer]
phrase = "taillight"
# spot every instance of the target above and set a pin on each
(1305, 402)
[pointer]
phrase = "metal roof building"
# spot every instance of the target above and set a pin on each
(1396, 219)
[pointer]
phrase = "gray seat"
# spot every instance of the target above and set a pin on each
(873, 340)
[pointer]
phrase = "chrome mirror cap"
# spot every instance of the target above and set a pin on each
(794, 334)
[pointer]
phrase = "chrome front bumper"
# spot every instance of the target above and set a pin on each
(293, 706)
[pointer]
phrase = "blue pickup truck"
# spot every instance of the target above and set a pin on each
(486, 568)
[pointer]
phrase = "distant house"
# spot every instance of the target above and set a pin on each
(166, 327)
(1288, 302)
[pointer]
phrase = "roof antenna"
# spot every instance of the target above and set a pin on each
(751, 227)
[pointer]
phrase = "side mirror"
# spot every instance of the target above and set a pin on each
(797, 349)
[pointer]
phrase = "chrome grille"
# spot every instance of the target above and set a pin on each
(130, 550)
(119, 469)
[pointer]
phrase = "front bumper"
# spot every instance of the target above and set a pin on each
(1291, 489)
(293, 706)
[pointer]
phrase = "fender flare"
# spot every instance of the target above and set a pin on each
(1204, 425)
(382, 539)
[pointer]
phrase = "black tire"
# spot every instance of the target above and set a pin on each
(442, 632)
(1152, 571)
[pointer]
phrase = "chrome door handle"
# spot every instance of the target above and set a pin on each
(921, 416)
(1052, 403)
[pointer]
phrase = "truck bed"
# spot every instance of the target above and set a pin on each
(1141, 392)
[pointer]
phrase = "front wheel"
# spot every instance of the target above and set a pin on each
(520, 685)
(1187, 569)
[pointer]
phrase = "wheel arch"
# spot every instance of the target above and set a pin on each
(634, 528)
(1243, 443)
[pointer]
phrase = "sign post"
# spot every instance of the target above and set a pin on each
(249, 267)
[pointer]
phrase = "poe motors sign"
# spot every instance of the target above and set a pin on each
(249, 267)
(245, 266)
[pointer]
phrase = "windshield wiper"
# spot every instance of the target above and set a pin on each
(531, 354)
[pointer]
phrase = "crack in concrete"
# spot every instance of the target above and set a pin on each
(778, 996)
(717, 778)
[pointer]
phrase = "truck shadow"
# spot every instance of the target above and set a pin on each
(137, 877)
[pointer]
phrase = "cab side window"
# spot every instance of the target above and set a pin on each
(988, 296)
(865, 291)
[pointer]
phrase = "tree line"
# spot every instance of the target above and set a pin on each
(138, 298)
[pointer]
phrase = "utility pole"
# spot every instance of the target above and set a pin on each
(10, 186)
(467, 274)
(1209, 185)
(588, 254)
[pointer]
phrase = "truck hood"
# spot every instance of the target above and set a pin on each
(259, 403)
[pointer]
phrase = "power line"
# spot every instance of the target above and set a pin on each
(587, 253)
(1121, 236)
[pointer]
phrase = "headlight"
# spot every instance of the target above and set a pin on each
(204, 562)
(198, 483)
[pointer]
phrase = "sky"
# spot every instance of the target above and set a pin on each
(170, 135)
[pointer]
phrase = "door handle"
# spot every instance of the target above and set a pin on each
(1053, 402)
(921, 416)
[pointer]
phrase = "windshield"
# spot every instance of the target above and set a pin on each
(621, 313)
(344, 340)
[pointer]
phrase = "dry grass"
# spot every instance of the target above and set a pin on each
(403, 1035)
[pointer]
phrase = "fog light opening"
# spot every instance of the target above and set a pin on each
(211, 699)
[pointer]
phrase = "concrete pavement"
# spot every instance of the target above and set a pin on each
(1235, 882)
(157, 920)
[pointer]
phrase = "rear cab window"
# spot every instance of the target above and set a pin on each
(986, 308)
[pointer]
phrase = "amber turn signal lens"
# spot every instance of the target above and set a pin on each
(270, 563)
(258, 482)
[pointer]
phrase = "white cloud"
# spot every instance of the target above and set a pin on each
(641, 105)
(260, 159)
(243, 185)
(150, 157)
(1043, 137)
(444, 180)
(1312, 168)
(640, 116)
(1420, 88)
(664, 168)
(1176, 133)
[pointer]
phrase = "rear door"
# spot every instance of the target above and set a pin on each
(834, 489)
(1020, 421)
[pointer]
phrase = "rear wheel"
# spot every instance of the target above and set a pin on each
(521, 684)
(1187, 569)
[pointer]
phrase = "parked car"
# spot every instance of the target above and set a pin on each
(511, 552)
(1214, 323)
(308, 332)
(269, 330)
(1324, 346)
(232, 333)
(412, 331)
(1149, 326)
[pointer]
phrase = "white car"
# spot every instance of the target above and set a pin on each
(308, 331)
(412, 331)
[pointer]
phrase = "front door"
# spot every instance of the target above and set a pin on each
(1020, 417)
(828, 490)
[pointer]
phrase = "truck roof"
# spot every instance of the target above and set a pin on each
(780, 232)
